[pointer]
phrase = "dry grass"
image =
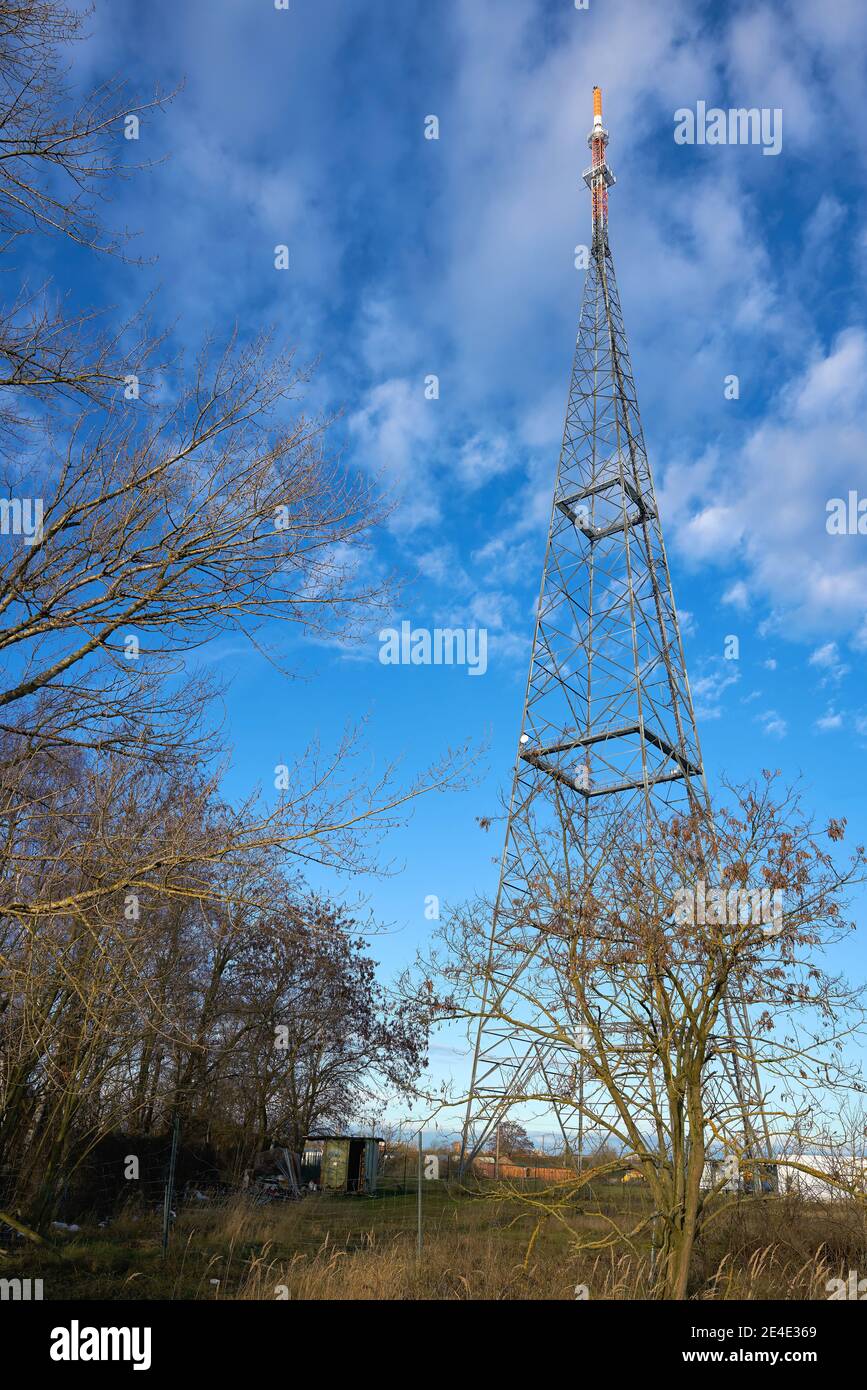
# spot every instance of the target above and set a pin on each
(352, 1249)
(470, 1267)
(478, 1267)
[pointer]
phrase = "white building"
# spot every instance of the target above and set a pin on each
(725, 1175)
(846, 1168)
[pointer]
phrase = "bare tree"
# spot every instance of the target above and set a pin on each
(212, 986)
(625, 998)
(318, 1039)
(59, 152)
(170, 503)
(158, 534)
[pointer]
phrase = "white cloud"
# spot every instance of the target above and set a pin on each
(764, 506)
(737, 594)
(441, 564)
(509, 632)
(483, 457)
(386, 339)
(824, 656)
(831, 719)
(393, 431)
(827, 657)
(495, 305)
(769, 67)
(773, 724)
(709, 689)
(508, 557)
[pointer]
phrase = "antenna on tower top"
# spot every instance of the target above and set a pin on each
(598, 177)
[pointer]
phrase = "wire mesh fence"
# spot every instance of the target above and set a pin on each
(197, 1228)
(419, 1194)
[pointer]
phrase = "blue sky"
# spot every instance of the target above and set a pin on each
(455, 257)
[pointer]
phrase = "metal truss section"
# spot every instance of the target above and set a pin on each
(608, 726)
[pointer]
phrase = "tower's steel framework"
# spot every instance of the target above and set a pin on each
(608, 729)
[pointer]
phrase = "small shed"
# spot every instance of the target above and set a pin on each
(728, 1175)
(342, 1162)
(721, 1174)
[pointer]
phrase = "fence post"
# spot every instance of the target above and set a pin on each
(653, 1260)
(420, 1166)
(170, 1185)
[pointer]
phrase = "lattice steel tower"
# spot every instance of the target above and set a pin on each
(608, 731)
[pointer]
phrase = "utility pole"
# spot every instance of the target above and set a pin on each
(420, 1178)
(170, 1184)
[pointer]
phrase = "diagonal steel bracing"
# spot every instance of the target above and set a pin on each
(608, 735)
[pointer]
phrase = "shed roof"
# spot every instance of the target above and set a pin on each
(375, 1137)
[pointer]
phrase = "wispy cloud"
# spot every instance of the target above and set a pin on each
(773, 724)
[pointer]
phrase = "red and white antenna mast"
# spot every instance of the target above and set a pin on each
(599, 177)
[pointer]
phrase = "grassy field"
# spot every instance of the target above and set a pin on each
(473, 1247)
